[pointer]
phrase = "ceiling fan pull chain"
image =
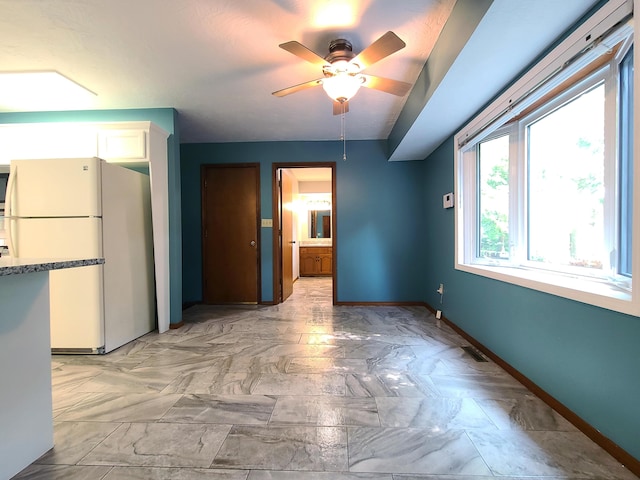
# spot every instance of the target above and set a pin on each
(343, 136)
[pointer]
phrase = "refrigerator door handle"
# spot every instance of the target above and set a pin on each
(8, 217)
(11, 245)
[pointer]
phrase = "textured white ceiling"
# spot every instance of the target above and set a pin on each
(218, 61)
(511, 34)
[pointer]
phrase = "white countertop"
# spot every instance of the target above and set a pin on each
(316, 243)
(17, 266)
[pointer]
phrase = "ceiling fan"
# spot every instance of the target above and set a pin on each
(342, 69)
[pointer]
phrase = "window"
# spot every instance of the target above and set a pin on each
(565, 158)
(626, 163)
(493, 203)
(545, 188)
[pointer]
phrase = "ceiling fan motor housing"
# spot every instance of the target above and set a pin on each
(340, 49)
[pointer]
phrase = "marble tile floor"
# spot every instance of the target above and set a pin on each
(305, 391)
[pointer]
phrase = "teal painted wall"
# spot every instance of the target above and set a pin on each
(380, 217)
(584, 356)
(167, 119)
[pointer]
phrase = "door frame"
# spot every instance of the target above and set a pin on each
(277, 248)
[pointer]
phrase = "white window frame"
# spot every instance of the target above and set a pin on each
(617, 293)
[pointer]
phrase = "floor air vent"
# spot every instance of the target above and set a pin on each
(475, 353)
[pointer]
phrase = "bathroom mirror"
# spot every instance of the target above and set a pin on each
(319, 223)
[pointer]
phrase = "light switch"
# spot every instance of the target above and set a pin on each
(447, 200)
(267, 222)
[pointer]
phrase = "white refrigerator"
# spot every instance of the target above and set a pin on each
(87, 208)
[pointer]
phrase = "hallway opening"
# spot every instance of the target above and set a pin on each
(304, 225)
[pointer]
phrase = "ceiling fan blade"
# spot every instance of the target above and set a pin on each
(303, 52)
(297, 88)
(340, 108)
(388, 85)
(383, 47)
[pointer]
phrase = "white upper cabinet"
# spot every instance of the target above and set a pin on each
(124, 145)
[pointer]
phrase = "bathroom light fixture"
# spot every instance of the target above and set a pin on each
(318, 205)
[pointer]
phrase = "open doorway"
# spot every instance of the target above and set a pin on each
(304, 225)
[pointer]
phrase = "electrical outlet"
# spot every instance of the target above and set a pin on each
(438, 314)
(440, 289)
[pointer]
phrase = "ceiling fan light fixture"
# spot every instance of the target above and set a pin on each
(342, 86)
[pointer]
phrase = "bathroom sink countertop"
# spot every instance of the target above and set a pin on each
(315, 243)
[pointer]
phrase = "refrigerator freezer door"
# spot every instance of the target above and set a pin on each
(77, 304)
(56, 188)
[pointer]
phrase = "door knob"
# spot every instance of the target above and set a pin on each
(252, 243)
(293, 241)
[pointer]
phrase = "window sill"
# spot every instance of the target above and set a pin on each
(580, 289)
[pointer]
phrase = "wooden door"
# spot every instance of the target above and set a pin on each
(326, 226)
(230, 215)
(286, 224)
